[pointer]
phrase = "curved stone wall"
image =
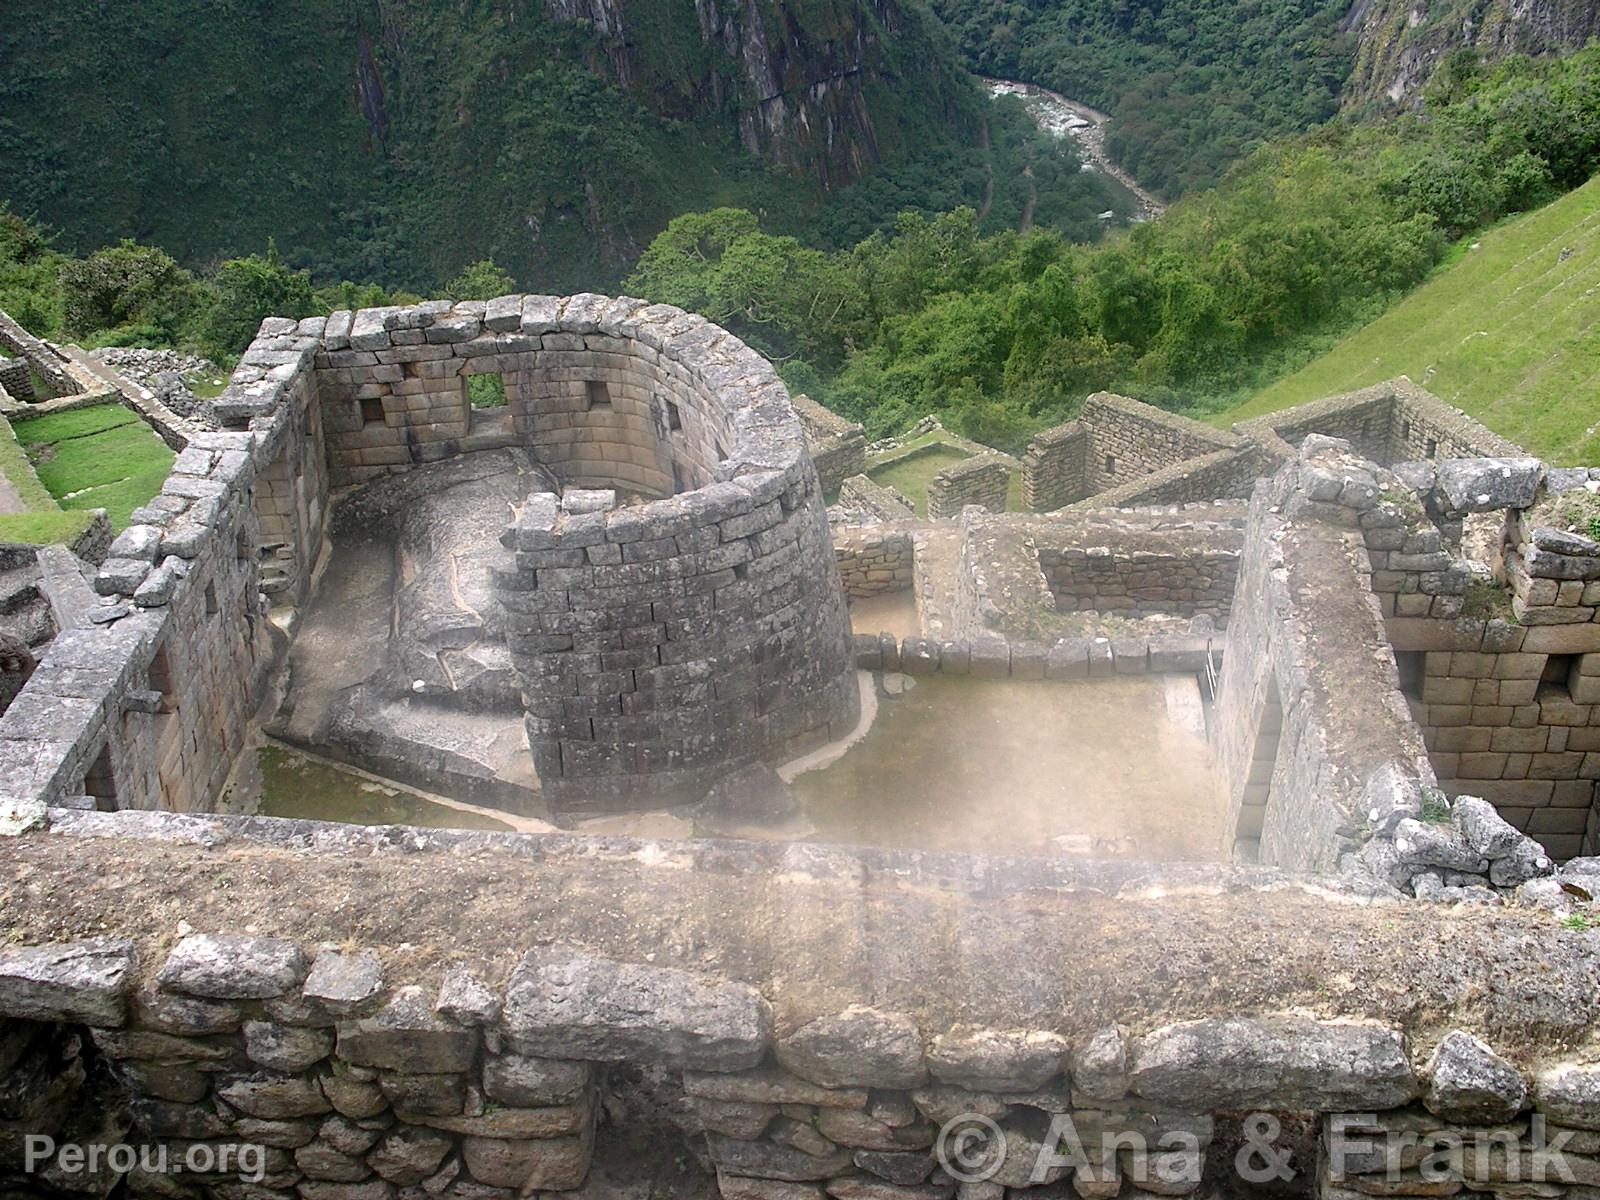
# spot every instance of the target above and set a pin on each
(662, 641)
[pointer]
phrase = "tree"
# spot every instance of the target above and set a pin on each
(482, 280)
(248, 290)
(127, 285)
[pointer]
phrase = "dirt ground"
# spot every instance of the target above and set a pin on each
(1007, 942)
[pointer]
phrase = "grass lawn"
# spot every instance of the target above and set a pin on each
(103, 457)
(911, 476)
(1508, 332)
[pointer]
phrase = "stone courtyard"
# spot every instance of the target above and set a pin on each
(1247, 770)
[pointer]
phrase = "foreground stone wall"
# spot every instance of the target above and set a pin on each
(1099, 579)
(410, 1071)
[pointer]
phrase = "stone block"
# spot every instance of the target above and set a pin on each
(562, 1002)
(80, 982)
(1287, 1062)
(232, 967)
(859, 1047)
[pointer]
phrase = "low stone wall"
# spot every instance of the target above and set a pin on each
(1129, 439)
(417, 1070)
(1309, 716)
(838, 447)
(1120, 451)
(48, 363)
(1388, 423)
(874, 560)
(15, 380)
(981, 480)
(1100, 579)
(1017, 576)
(861, 501)
(1067, 659)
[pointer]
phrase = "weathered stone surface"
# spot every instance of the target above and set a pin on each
(1570, 1095)
(745, 1122)
(740, 1187)
(989, 1060)
(464, 997)
(768, 1085)
(551, 1164)
(284, 1047)
(85, 981)
(1099, 1067)
(321, 1161)
(1485, 484)
(1470, 1083)
(860, 1188)
(906, 1168)
(185, 1016)
(343, 983)
(346, 1135)
(860, 1047)
(748, 801)
(1483, 829)
(358, 1099)
(496, 1122)
(275, 1097)
(767, 1160)
(232, 967)
(1289, 1062)
(860, 1131)
(417, 1096)
(285, 1134)
(526, 1082)
(408, 1154)
(405, 1035)
(562, 1002)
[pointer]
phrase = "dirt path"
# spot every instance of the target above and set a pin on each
(1061, 116)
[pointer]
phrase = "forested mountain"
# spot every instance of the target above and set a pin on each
(1191, 85)
(397, 140)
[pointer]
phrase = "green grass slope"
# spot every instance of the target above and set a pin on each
(1508, 331)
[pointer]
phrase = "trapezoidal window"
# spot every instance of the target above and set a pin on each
(597, 394)
(101, 783)
(1555, 681)
(486, 391)
(1111, 464)
(674, 418)
(372, 411)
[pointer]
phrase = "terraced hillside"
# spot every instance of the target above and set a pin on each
(1508, 330)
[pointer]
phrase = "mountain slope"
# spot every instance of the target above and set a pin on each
(1509, 332)
(1401, 42)
(395, 140)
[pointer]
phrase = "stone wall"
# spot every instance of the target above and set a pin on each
(838, 447)
(15, 380)
(47, 362)
(1117, 443)
(415, 1070)
(1020, 577)
(1390, 422)
(981, 480)
(861, 501)
(1309, 717)
(874, 560)
(660, 643)
(1054, 468)
(1101, 579)
(149, 703)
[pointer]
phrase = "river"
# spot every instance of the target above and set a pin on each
(1060, 117)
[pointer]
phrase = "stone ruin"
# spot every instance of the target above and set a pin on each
(631, 558)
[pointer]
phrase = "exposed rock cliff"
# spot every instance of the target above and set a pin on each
(1400, 42)
(810, 85)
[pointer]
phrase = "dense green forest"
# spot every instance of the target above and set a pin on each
(1191, 85)
(1001, 334)
(395, 142)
